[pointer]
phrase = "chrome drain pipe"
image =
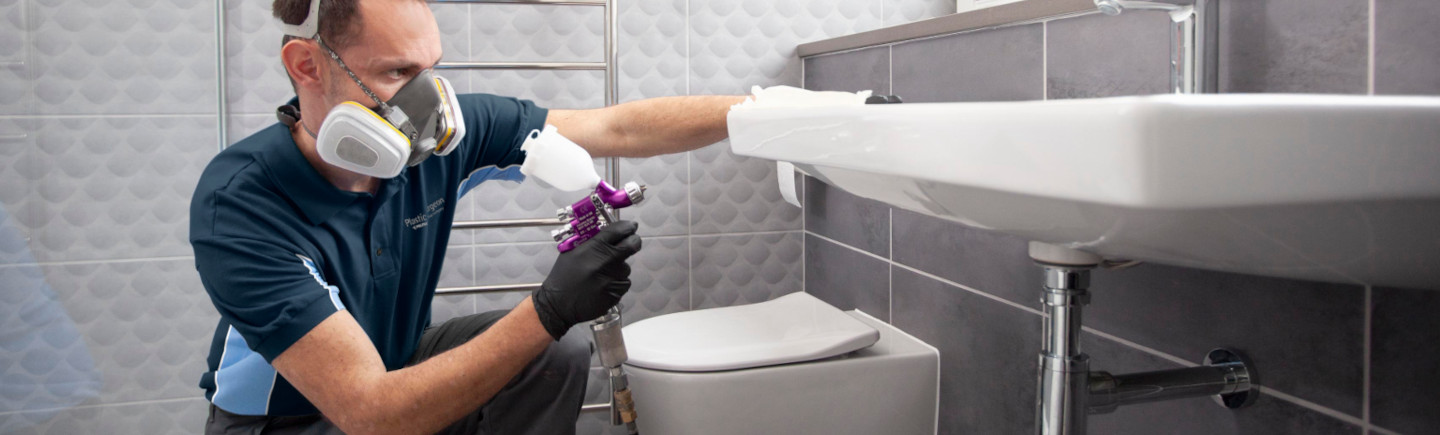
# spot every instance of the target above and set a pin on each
(1069, 392)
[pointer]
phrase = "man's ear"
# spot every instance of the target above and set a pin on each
(301, 58)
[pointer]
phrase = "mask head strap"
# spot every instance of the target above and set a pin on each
(308, 29)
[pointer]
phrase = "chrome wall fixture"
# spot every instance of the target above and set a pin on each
(612, 95)
(1193, 51)
(1068, 391)
(612, 165)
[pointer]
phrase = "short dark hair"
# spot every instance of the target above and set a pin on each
(338, 19)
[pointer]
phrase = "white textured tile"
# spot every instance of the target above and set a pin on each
(744, 269)
(536, 32)
(255, 80)
(731, 193)
(521, 263)
(127, 56)
(666, 209)
(44, 361)
(16, 58)
(659, 278)
(162, 418)
(148, 324)
(735, 44)
(118, 187)
(459, 271)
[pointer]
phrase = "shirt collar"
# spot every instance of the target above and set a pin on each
(316, 198)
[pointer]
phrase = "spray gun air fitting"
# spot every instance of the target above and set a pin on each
(583, 220)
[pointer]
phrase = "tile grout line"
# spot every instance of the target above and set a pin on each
(1368, 344)
(689, 181)
(85, 262)
(930, 275)
(1045, 61)
(890, 64)
(104, 405)
(110, 116)
(891, 268)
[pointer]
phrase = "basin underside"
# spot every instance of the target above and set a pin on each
(1389, 243)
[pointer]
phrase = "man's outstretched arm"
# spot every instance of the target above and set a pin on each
(647, 127)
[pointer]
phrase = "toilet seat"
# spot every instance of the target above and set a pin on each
(792, 328)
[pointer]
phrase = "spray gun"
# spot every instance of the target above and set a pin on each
(584, 220)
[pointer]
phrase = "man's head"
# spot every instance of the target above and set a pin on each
(384, 42)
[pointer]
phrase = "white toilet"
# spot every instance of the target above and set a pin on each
(792, 365)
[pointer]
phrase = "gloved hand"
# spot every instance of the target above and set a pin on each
(587, 280)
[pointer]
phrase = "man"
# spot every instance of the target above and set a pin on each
(324, 275)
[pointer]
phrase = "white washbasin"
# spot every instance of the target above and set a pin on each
(1323, 187)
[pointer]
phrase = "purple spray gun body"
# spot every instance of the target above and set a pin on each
(588, 216)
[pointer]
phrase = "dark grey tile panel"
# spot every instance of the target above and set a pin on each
(847, 279)
(1313, 46)
(852, 220)
(989, 65)
(1198, 416)
(1407, 59)
(856, 71)
(1104, 56)
(991, 262)
(987, 354)
(1304, 337)
(1405, 361)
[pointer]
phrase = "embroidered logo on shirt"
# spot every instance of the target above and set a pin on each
(423, 219)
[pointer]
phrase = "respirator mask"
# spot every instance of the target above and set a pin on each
(421, 120)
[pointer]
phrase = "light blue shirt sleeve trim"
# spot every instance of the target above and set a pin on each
(315, 272)
(244, 381)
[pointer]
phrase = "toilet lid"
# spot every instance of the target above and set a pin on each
(792, 328)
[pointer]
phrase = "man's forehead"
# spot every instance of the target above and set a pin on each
(397, 33)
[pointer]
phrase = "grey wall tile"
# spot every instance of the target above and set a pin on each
(991, 65)
(20, 174)
(847, 279)
(1293, 46)
(736, 44)
(1277, 322)
(897, 12)
(16, 52)
(148, 324)
(95, 58)
(659, 279)
(849, 219)
(255, 80)
(1405, 364)
(652, 49)
(453, 20)
(1407, 60)
(44, 361)
(519, 263)
(1196, 415)
(458, 271)
(536, 32)
(161, 418)
(103, 174)
(995, 263)
(241, 126)
(1105, 56)
(666, 210)
(548, 89)
(745, 268)
(987, 354)
(731, 193)
(862, 70)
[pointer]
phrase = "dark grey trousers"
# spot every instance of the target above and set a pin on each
(544, 398)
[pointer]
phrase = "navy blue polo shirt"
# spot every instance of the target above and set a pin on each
(280, 249)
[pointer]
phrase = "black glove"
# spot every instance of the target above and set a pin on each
(588, 280)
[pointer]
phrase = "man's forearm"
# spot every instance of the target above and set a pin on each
(670, 124)
(429, 396)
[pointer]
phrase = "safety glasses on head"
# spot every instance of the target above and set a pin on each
(422, 119)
